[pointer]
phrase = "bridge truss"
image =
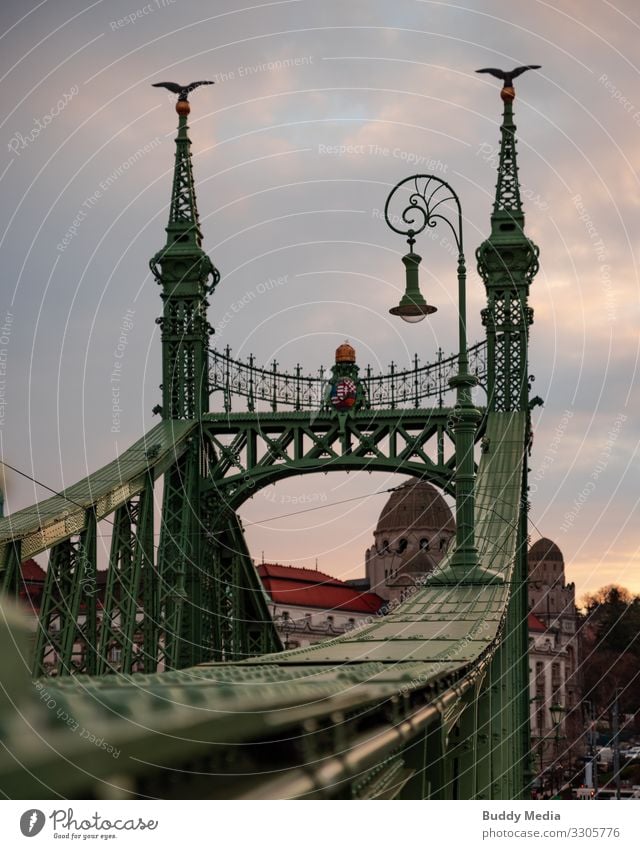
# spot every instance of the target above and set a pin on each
(176, 665)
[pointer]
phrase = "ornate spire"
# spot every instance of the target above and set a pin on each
(184, 223)
(187, 276)
(507, 205)
(507, 263)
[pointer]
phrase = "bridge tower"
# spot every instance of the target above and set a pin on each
(186, 275)
(183, 270)
(209, 600)
(507, 262)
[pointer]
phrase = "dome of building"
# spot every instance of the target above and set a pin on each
(345, 353)
(414, 506)
(545, 549)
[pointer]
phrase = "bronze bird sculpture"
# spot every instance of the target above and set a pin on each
(508, 77)
(182, 91)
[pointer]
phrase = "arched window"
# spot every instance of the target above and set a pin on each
(402, 545)
(424, 544)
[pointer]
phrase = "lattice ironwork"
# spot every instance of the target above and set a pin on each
(126, 625)
(508, 189)
(276, 389)
(66, 641)
(253, 453)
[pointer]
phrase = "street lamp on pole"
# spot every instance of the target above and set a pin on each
(424, 201)
(557, 713)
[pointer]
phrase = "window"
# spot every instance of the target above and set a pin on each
(402, 545)
(424, 544)
(443, 543)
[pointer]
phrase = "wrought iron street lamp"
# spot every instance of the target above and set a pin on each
(557, 713)
(423, 201)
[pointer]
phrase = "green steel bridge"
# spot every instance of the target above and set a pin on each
(171, 682)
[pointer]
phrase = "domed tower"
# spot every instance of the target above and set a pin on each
(410, 539)
(554, 654)
(546, 562)
(550, 598)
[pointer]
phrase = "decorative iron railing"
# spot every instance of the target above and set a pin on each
(293, 389)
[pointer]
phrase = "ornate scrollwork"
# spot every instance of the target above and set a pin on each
(421, 201)
(278, 389)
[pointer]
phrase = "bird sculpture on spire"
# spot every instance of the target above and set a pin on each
(507, 77)
(183, 91)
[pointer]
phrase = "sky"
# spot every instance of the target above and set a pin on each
(318, 110)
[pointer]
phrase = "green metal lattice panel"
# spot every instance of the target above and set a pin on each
(44, 524)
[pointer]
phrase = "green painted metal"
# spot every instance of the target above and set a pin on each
(507, 263)
(429, 701)
(271, 388)
(430, 202)
(349, 688)
(187, 276)
(254, 451)
(130, 577)
(67, 629)
(39, 527)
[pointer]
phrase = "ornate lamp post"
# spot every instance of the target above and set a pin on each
(557, 714)
(425, 200)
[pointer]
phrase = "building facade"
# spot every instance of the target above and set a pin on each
(308, 606)
(553, 660)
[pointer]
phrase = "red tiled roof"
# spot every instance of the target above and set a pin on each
(535, 624)
(308, 588)
(32, 571)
